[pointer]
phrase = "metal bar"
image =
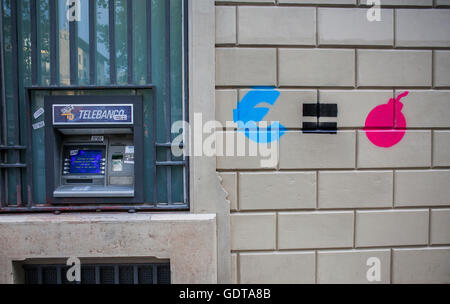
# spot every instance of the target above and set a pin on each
(135, 275)
(92, 43)
(149, 41)
(97, 275)
(168, 145)
(53, 42)
(90, 87)
(15, 102)
(90, 208)
(34, 42)
(12, 147)
(186, 92)
(2, 87)
(2, 190)
(116, 274)
(3, 203)
(130, 40)
(155, 274)
(168, 101)
(3, 136)
(58, 275)
(112, 43)
(73, 37)
(39, 270)
(12, 166)
(155, 151)
(170, 163)
(29, 151)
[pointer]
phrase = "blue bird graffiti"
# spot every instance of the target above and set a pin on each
(250, 111)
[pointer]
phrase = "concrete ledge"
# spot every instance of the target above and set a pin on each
(189, 241)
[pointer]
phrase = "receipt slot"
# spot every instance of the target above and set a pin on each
(94, 149)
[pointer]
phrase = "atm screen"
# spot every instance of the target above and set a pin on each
(85, 161)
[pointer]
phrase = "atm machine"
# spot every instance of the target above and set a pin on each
(94, 149)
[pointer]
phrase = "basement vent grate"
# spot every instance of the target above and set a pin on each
(100, 274)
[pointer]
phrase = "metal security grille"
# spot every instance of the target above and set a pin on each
(114, 47)
(100, 274)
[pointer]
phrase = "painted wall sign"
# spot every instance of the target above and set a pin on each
(317, 111)
(389, 114)
(90, 114)
(249, 112)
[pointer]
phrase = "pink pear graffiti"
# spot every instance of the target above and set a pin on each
(383, 117)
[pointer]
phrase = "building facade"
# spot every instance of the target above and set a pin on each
(350, 186)
(335, 200)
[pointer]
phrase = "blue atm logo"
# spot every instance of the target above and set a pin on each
(92, 114)
(249, 112)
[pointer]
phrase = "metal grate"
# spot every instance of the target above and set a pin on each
(100, 274)
(30, 62)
